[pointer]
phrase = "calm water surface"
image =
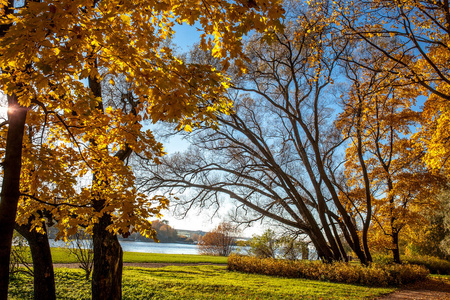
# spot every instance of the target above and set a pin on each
(166, 248)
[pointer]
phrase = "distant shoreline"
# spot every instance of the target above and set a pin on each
(160, 242)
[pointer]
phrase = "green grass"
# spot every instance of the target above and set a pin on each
(61, 255)
(199, 282)
(172, 258)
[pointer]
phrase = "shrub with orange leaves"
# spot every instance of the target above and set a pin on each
(373, 275)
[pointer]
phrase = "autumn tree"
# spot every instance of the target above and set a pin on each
(417, 55)
(385, 178)
(195, 237)
(220, 241)
(443, 233)
(54, 57)
(50, 184)
(277, 156)
(44, 285)
(164, 232)
(11, 168)
(431, 237)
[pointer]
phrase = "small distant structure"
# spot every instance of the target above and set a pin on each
(241, 238)
(188, 233)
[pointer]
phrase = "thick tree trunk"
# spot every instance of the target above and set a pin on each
(44, 277)
(10, 188)
(107, 274)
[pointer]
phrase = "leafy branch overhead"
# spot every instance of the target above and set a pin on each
(89, 76)
(123, 46)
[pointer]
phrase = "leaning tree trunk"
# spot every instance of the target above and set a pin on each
(44, 277)
(107, 274)
(367, 190)
(12, 166)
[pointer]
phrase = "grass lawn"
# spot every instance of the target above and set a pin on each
(62, 255)
(172, 258)
(199, 282)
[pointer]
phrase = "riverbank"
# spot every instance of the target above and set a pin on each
(62, 256)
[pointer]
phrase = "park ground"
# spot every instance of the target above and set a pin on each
(160, 276)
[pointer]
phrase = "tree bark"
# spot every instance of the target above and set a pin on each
(44, 277)
(107, 274)
(10, 188)
(338, 240)
(396, 250)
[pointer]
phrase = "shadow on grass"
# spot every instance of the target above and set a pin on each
(434, 284)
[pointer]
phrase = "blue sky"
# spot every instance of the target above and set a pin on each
(186, 36)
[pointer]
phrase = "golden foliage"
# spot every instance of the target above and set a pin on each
(55, 53)
(385, 173)
(412, 36)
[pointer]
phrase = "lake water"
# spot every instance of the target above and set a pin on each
(166, 248)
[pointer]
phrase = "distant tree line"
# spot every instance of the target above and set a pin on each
(165, 234)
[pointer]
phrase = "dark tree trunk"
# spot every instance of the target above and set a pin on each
(396, 249)
(367, 188)
(44, 277)
(395, 231)
(338, 240)
(107, 274)
(10, 188)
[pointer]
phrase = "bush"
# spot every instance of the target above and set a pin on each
(382, 259)
(373, 275)
(433, 264)
(221, 241)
